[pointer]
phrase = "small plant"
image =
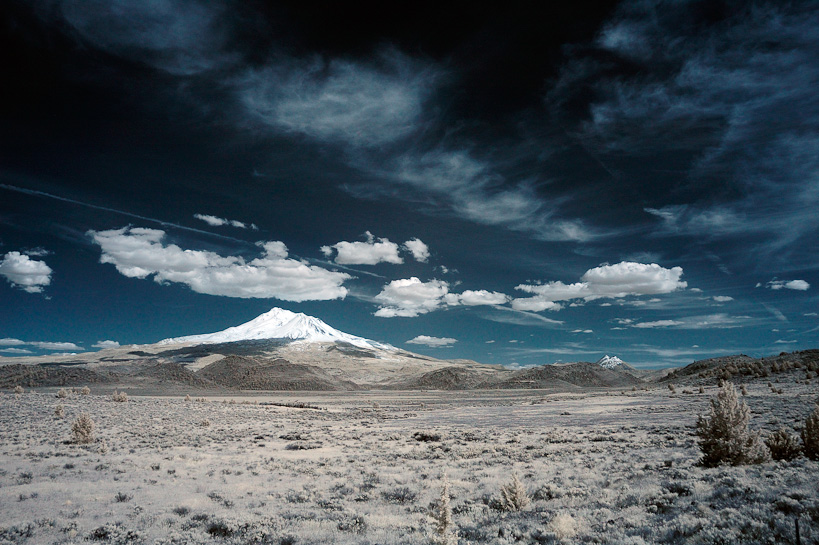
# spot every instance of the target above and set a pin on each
(83, 429)
(724, 435)
(743, 390)
(810, 435)
(18, 389)
(62, 394)
(188, 397)
(205, 423)
(119, 397)
(672, 388)
(783, 445)
(59, 411)
(85, 390)
(442, 515)
(513, 495)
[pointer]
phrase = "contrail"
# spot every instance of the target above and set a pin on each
(37, 193)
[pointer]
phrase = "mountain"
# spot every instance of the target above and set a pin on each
(609, 362)
(279, 324)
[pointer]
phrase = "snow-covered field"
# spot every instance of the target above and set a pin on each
(603, 467)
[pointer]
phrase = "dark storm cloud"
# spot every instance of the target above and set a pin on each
(731, 87)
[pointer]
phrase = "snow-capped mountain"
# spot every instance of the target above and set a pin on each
(609, 362)
(280, 324)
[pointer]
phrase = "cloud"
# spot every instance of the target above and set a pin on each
(47, 345)
(15, 351)
(470, 188)
(780, 341)
(737, 119)
(799, 285)
(11, 342)
(419, 250)
(140, 253)
(410, 297)
(28, 274)
(722, 298)
(711, 321)
(106, 344)
(215, 221)
(181, 38)
(505, 315)
(351, 103)
(371, 252)
(623, 279)
(477, 297)
(433, 341)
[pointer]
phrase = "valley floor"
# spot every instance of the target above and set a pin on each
(366, 467)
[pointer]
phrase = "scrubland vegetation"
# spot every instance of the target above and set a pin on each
(615, 467)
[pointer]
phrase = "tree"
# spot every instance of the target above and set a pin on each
(724, 434)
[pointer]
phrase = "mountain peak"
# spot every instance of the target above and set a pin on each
(279, 323)
(609, 362)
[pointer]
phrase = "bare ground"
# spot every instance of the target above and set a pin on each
(606, 466)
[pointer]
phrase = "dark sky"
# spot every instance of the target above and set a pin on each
(638, 178)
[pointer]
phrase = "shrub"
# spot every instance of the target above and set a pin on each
(120, 397)
(18, 389)
(442, 515)
(783, 445)
(85, 390)
(513, 495)
(59, 411)
(810, 435)
(83, 429)
(724, 435)
(62, 394)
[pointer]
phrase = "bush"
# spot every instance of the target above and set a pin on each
(783, 445)
(724, 435)
(120, 397)
(85, 390)
(59, 411)
(442, 515)
(18, 389)
(513, 495)
(810, 435)
(62, 394)
(83, 429)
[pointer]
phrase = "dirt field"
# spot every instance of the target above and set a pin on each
(617, 467)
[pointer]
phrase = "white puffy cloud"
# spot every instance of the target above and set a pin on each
(11, 342)
(615, 281)
(477, 297)
(419, 250)
(371, 252)
(630, 278)
(432, 341)
(106, 344)
(215, 221)
(48, 345)
(140, 252)
(25, 273)
(722, 298)
(15, 351)
(799, 285)
(410, 297)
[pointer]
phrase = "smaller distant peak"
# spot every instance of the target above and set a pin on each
(609, 362)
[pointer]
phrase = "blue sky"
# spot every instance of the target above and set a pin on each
(635, 178)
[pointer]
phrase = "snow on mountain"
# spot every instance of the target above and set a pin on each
(609, 362)
(280, 324)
